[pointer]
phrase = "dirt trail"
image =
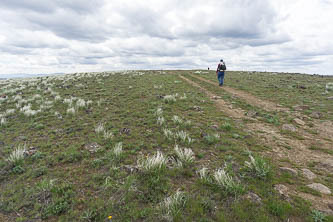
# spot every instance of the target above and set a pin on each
(266, 105)
(324, 129)
(222, 105)
(283, 147)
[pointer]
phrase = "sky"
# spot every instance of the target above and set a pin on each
(62, 36)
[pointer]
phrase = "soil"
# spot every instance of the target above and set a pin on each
(284, 146)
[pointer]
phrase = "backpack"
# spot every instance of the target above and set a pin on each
(222, 67)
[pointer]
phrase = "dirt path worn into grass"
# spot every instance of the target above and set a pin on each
(283, 147)
(324, 129)
(223, 106)
(266, 105)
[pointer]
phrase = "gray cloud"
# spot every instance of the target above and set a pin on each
(62, 35)
(46, 7)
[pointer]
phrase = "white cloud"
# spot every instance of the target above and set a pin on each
(38, 36)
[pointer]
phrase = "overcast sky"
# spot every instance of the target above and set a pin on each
(49, 36)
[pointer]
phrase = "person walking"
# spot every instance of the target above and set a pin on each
(220, 72)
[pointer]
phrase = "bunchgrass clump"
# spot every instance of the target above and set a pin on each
(17, 156)
(71, 111)
(177, 120)
(160, 120)
(187, 124)
(204, 175)
(159, 111)
(57, 98)
(173, 205)
(212, 138)
(116, 153)
(107, 134)
(69, 101)
(10, 111)
(27, 111)
(3, 121)
(45, 185)
(118, 149)
(183, 97)
(258, 167)
(99, 128)
(183, 137)
(329, 86)
(168, 134)
(185, 156)
(152, 164)
(169, 98)
(226, 126)
(226, 182)
(80, 103)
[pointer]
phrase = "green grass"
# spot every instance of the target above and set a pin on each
(289, 90)
(91, 185)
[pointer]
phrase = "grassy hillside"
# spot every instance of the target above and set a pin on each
(152, 146)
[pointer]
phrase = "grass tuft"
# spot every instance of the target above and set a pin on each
(173, 205)
(258, 167)
(17, 156)
(223, 180)
(153, 163)
(185, 156)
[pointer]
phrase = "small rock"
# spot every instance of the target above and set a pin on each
(330, 98)
(31, 151)
(316, 115)
(301, 107)
(130, 169)
(203, 134)
(125, 131)
(330, 205)
(216, 97)
(282, 190)
(328, 163)
(299, 122)
(308, 174)
(92, 147)
(254, 198)
(320, 188)
(289, 127)
(214, 126)
(197, 108)
(251, 113)
(289, 170)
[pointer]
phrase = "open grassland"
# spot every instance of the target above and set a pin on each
(165, 146)
(300, 92)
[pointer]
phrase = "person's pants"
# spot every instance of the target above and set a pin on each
(220, 77)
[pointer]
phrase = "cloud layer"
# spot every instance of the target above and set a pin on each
(44, 36)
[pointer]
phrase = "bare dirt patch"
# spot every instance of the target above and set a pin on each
(283, 146)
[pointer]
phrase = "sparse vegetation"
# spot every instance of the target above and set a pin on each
(172, 206)
(258, 167)
(226, 182)
(185, 156)
(151, 150)
(17, 156)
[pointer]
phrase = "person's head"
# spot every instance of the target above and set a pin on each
(221, 60)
